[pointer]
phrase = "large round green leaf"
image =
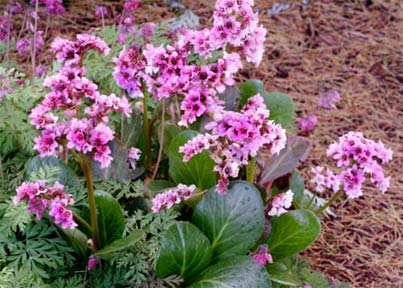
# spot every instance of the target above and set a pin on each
(185, 251)
(52, 169)
(198, 170)
(111, 220)
(281, 109)
(249, 89)
(233, 222)
(292, 232)
(239, 272)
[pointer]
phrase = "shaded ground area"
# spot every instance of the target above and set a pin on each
(355, 47)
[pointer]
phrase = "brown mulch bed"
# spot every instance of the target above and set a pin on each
(355, 47)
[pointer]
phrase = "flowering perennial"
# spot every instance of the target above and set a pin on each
(83, 125)
(39, 196)
(237, 137)
(360, 158)
(172, 196)
(329, 99)
(280, 203)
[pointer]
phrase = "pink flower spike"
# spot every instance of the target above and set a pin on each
(262, 257)
(171, 197)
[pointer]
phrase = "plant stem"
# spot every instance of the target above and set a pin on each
(33, 45)
(161, 140)
(328, 203)
(86, 167)
(82, 222)
(146, 130)
(250, 170)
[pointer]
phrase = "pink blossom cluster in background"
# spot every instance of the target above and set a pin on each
(262, 256)
(280, 203)
(235, 138)
(172, 196)
(307, 124)
(134, 155)
(39, 196)
(101, 11)
(83, 125)
(54, 7)
(329, 99)
(24, 45)
(126, 20)
(360, 159)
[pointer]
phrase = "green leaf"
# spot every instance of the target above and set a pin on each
(51, 169)
(249, 89)
(185, 251)
(120, 244)
(297, 187)
(281, 109)
(170, 132)
(198, 170)
(292, 232)
(111, 220)
(233, 222)
(239, 272)
(281, 274)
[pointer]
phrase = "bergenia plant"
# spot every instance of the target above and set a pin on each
(221, 155)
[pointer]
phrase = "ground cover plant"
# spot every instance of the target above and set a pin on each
(186, 179)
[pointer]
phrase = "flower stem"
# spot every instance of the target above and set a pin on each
(86, 167)
(250, 170)
(161, 141)
(146, 130)
(33, 45)
(82, 222)
(328, 203)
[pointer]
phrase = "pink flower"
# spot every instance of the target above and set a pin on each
(171, 197)
(280, 203)
(92, 262)
(101, 11)
(22, 46)
(133, 156)
(40, 70)
(360, 159)
(39, 196)
(62, 215)
(307, 124)
(262, 256)
(328, 99)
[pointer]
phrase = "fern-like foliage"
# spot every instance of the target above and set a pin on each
(23, 278)
(38, 249)
(139, 261)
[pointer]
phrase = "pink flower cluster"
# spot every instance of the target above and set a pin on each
(171, 197)
(262, 256)
(307, 124)
(236, 27)
(329, 99)
(72, 52)
(39, 196)
(82, 126)
(172, 70)
(235, 138)
(280, 203)
(54, 7)
(23, 45)
(360, 158)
